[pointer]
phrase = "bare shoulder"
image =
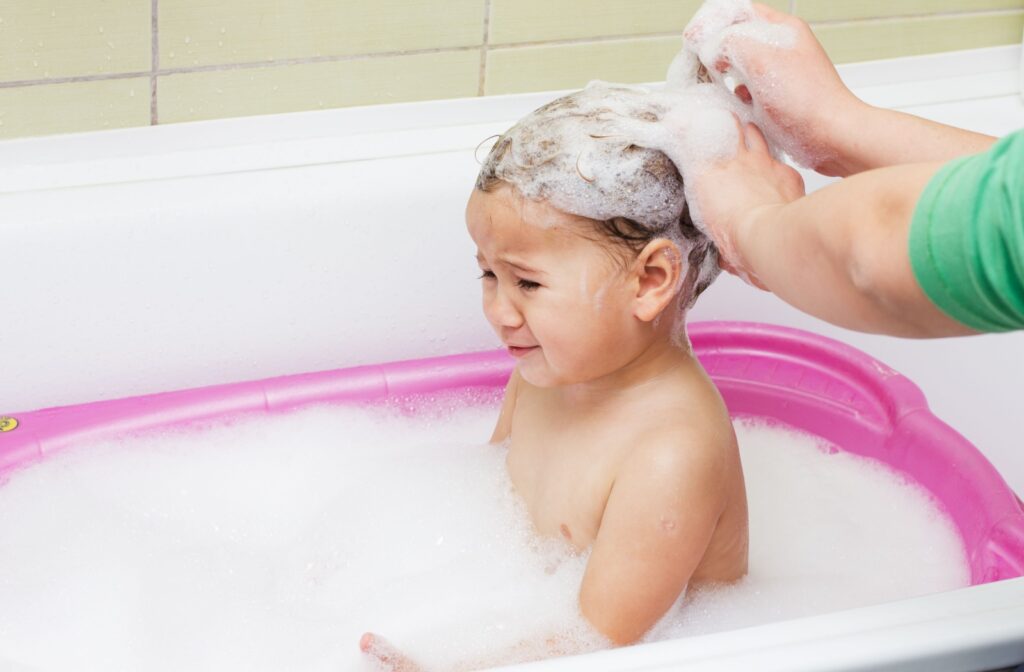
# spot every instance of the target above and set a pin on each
(689, 444)
(688, 456)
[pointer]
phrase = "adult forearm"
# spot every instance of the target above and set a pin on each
(867, 137)
(841, 254)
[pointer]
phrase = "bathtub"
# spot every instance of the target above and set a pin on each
(143, 260)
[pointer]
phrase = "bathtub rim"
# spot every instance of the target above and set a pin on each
(965, 630)
(795, 377)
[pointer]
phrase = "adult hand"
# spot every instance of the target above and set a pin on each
(788, 79)
(732, 193)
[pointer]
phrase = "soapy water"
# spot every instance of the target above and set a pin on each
(271, 543)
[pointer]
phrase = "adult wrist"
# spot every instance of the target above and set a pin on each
(849, 138)
(744, 240)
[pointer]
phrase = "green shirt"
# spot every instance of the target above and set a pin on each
(967, 238)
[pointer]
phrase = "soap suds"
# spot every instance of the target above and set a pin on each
(622, 151)
(274, 543)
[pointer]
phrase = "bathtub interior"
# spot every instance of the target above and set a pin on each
(767, 373)
(166, 258)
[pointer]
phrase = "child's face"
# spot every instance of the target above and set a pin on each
(561, 303)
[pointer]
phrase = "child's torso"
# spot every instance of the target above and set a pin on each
(563, 461)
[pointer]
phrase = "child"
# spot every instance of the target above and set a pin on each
(617, 439)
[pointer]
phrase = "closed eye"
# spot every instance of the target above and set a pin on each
(486, 274)
(527, 285)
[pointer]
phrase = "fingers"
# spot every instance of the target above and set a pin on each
(724, 264)
(366, 642)
(385, 653)
(741, 141)
(770, 13)
(754, 139)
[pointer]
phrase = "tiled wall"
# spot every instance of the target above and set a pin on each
(70, 65)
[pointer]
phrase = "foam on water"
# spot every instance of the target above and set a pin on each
(274, 543)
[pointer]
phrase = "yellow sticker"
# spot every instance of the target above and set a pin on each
(8, 424)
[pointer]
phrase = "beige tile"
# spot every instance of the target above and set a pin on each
(520, 69)
(872, 40)
(207, 32)
(70, 38)
(517, 21)
(80, 106)
(831, 10)
(290, 88)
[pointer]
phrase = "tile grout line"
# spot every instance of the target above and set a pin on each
(154, 111)
(921, 17)
(484, 47)
(156, 72)
(74, 80)
(313, 59)
(678, 33)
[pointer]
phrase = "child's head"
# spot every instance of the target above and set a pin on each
(586, 245)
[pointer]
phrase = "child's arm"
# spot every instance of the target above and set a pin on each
(661, 513)
(386, 656)
(508, 406)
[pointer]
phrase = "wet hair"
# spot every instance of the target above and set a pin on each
(569, 154)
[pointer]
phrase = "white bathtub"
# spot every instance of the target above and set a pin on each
(152, 259)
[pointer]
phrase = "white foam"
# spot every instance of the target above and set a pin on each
(711, 38)
(600, 152)
(270, 544)
(612, 151)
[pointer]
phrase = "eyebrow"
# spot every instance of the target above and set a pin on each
(514, 264)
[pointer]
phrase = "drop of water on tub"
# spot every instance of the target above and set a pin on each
(188, 39)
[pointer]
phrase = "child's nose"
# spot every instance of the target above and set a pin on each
(502, 312)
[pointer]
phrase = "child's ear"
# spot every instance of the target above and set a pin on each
(659, 268)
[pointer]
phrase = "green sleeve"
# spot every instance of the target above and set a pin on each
(967, 238)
